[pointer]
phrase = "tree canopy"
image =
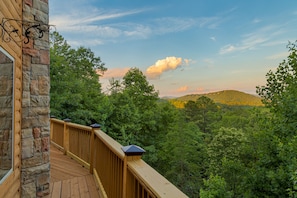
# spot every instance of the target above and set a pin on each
(75, 88)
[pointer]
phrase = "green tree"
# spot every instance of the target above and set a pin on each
(225, 153)
(204, 112)
(75, 88)
(183, 156)
(141, 92)
(277, 161)
(215, 187)
(136, 113)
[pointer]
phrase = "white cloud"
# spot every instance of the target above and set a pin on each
(87, 24)
(114, 14)
(250, 41)
(169, 63)
(213, 38)
(172, 24)
(227, 49)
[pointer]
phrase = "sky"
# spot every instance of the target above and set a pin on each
(183, 47)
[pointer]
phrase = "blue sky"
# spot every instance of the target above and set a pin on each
(183, 47)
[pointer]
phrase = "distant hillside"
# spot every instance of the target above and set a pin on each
(227, 97)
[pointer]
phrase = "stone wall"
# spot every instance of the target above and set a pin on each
(35, 172)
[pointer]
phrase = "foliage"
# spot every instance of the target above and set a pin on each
(184, 154)
(278, 160)
(135, 113)
(75, 90)
(225, 152)
(203, 112)
(215, 187)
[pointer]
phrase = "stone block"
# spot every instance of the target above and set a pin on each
(29, 2)
(37, 145)
(27, 123)
(42, 43)
(26, 63)
(43, 85)
(27, 148)
(42, 15)
(45, 144)
(26, 81)
(44, 57)
(28, 190)
(35, 111)
(40, 5)
(44, 120)
(40, 70)
(43, 179)
(42, 193)
(36, 160)
(36, 132)
(45, 131)
(37, 170)
(26, 133)
(40, 101)
(25, 111)
(46, 157)
(34, 87)
(31, 52)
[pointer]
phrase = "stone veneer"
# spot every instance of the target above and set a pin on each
(35, 165)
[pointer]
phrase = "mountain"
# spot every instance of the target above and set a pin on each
(227, 97)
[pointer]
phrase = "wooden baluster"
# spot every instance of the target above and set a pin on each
(94, 127)
(66, 136)
(51, 127)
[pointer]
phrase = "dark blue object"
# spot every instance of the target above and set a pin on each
(96, 125)
(133, 150)
(67, 120)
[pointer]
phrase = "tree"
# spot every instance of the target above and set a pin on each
(136, 113)
(225, 153)
(142, 93)
(215, 187)
(278, 160)
(75, 88)
(203, 112)
(183, 157)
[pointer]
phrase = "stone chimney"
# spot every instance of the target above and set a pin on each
(35, 139)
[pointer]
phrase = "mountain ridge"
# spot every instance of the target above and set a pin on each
(226, 97)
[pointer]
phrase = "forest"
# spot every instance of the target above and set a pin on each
(207, 149)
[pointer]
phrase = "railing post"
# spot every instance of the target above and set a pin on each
(92, 139)
(66, 136)
(131, 152)
(51, 127)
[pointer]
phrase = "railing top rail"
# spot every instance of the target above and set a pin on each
(57, 120)
(78, 126)
(158, 184)
(111, 143)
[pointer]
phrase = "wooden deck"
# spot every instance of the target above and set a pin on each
(70, 179)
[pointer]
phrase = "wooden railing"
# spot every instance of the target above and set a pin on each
(118, 171)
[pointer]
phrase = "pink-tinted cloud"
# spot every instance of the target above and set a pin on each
(183, 88)
(115, 73)
(169, 63)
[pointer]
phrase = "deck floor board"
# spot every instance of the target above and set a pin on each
(69, 178)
